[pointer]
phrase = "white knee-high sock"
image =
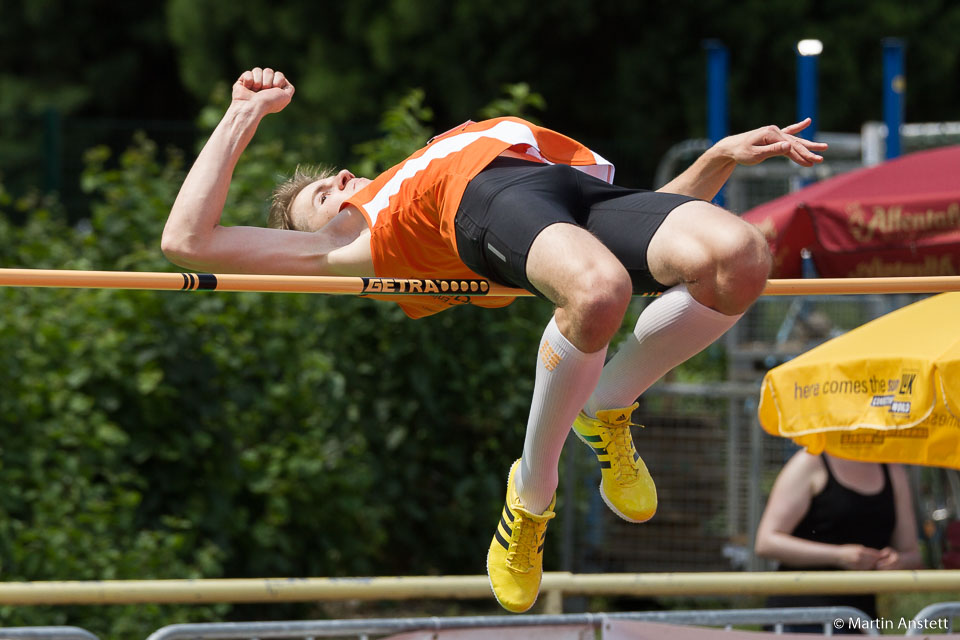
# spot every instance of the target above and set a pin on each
(565, 379)
(672, 329)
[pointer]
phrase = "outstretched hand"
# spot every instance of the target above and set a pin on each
(267, 89)
(753, 147)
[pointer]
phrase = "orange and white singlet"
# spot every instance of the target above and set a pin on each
(410, 208)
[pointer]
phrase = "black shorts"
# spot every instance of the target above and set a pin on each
(511, 201)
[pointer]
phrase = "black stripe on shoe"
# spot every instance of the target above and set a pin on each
(499, 538)
(506, 527)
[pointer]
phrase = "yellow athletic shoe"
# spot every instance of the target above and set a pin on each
(515, 558)
(626, 485)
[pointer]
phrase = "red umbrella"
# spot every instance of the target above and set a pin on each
(899, 218)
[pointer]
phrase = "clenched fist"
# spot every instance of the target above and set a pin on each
(267, 89)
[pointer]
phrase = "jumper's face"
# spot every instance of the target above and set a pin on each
(320, 201)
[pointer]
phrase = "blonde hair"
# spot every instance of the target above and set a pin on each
(283, 196)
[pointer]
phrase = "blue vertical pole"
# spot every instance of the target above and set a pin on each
(894, 84)
(807, 98)
(718, 117)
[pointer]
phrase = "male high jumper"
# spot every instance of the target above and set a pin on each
(526, 207)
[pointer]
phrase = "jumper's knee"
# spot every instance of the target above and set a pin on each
(594, 306)
(723, 260)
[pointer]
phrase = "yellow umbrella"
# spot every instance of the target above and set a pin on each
(888, 391)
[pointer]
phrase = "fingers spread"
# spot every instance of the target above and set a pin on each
(802, 147)
(798, 149)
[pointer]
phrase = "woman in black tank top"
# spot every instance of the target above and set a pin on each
(828, 513)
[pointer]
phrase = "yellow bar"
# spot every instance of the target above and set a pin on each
(837, 286)
(344, 285)
(463, 587)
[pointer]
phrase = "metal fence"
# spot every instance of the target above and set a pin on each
(507, 627)
(713, 464)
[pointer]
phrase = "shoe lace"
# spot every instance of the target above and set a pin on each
(623, 454)
(527, 535)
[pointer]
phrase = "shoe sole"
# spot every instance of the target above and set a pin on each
(606, 499)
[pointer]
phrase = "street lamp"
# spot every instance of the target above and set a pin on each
(809, 47)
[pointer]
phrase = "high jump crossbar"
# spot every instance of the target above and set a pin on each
(376, 286)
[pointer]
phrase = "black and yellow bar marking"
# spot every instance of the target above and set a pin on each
(196, 281)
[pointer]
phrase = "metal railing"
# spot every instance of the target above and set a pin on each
(777, 618)
(937, 617)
